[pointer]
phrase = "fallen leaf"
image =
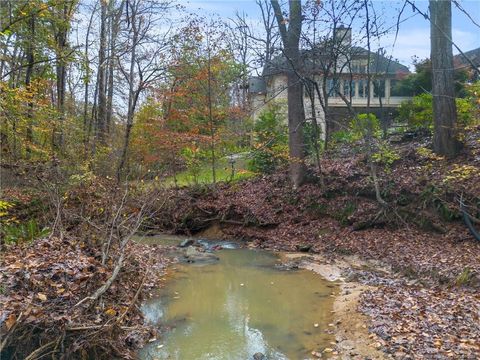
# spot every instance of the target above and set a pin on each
(110, 312)
(42, 296)
(11, 320)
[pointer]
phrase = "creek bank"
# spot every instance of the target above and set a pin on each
(380, 313)
(421, 233)
(352, 338)
(41, 309)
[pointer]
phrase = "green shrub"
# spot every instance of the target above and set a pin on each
(312, 140)
(194, 159)
(385, 154)
(344, 213)
(4, 208)
(359, 128)
(465, 277)
(364, 125)
(23, 232)
(418, 112)
(365, 132)
(270, 149)
(342, 137)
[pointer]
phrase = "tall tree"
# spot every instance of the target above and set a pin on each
(290, 36)
(445, 140)
(142, 61)
(87, 122)
(61, 23)
(115, 16)
(30, 55)
(101, 123)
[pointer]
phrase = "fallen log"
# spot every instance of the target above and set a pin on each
(469, 220)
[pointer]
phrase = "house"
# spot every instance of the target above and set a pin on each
(347, 72)
(470, 62)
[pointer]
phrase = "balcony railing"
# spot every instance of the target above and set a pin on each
(392, 101)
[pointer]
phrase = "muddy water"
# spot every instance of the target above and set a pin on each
(239, 306)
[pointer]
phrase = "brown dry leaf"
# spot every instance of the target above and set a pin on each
(11, 320)
(16, 265)
(42, 296)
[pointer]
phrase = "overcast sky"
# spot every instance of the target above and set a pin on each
(414, 35)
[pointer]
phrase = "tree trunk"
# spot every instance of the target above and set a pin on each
(296, 119)
(61, 40)
(296, 111)
(86, 122)
(102, 98)
(114, 29)
(445, 141)
(132, 93)
(210, 114)
(315, 131)
(28, 78)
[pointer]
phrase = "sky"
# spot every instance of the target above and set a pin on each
(414, 33)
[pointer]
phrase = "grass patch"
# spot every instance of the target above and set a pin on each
(223, 173)
(344, 213)
(465, 277)
(23, 232)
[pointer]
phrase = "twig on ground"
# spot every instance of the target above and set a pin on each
(37, 353)
(135, 298)
(10, 332)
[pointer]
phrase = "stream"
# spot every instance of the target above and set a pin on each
(240, 305)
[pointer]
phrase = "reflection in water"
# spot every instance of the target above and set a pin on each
(238, 307)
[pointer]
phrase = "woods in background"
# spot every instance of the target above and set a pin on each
(122, 87)
(76, 76)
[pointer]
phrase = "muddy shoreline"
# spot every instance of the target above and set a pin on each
(350, 326)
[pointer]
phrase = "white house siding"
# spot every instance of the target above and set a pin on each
(277, 92)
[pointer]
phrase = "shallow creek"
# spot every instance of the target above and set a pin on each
(240, 305)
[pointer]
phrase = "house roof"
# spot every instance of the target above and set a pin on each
(320, 57)
(473, 55)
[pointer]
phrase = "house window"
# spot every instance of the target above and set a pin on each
(356, 67)
(362, 88)
(379, 88)
(332, 87)
(349, 88)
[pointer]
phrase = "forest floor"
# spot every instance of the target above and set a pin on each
(426, 304)
(47, 284)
